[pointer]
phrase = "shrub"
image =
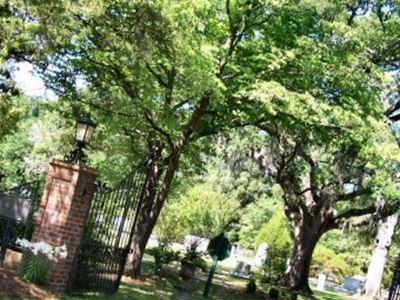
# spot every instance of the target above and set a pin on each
(251, 287)
(162, 256)
(35, 268)
(195, 257)
(328, 262)
(169, 228)
(276, 234)
(257, 214)
(273, 293)
(203, 211)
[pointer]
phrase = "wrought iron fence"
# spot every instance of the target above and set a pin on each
(17, 215)
(394, 291)
(107, 234)
(11, 228)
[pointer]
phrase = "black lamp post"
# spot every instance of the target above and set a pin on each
(84, 131)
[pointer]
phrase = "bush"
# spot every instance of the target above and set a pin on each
(195, 257)
(203, 211)
(273, 293)
(162, 256)
(251, 287)
(257, 214)
(35, 268)
(276, 234)
(169, 228)
(328, 262)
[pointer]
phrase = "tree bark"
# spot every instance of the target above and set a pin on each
(383, 241)
(143, 228)
(139, 242)
(158, 187)
(298, 270)
(156, 191)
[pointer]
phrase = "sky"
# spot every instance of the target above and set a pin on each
(29, 82)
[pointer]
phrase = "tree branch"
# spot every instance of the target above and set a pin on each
(158, 129)
(195, 118)
(158, 77)
(350, 196)
(394, 118)
(356, 212)
(392, 109)
(312, 175)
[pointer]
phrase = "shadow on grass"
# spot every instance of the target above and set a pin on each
(331, 296)
(168, 286)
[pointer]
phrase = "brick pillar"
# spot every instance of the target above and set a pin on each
(62, 213)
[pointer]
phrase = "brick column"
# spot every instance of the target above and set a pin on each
(62, 213)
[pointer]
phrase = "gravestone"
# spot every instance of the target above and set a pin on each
(261, 256)
(232, 259)
(242, 269)
(14, 208)
(354, 284)
(321, 282)
(239, 251)
(153, 242)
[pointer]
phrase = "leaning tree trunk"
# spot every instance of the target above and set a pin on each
(155, 194)
(143, 228)
(383, 241)
(142, 234)
(298, 270)
(158, 188)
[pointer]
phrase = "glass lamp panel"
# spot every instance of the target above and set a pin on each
(80, 132)
(89, 134)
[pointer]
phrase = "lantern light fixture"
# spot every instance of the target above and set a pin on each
(84, 131)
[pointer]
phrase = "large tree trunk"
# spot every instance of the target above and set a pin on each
(155, 194)
(383, 241)
(158, 186)
(298, 270)
(139, 243)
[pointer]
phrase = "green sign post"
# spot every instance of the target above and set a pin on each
(219, 248)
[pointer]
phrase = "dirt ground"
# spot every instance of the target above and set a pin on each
(13, 287)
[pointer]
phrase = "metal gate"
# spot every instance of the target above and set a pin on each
(394, 291)
(107, 235)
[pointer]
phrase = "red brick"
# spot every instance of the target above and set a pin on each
(61, 215)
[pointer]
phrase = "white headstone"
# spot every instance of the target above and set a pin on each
(153, 242)
(261, 256)
(321, 282)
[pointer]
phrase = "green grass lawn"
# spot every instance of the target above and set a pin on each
(331, 296)
(162, 288)
(169, 286)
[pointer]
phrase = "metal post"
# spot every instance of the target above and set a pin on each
(210, 276)
(2, 255)
(4, 243)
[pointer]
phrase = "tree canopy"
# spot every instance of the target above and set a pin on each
(310, 83)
